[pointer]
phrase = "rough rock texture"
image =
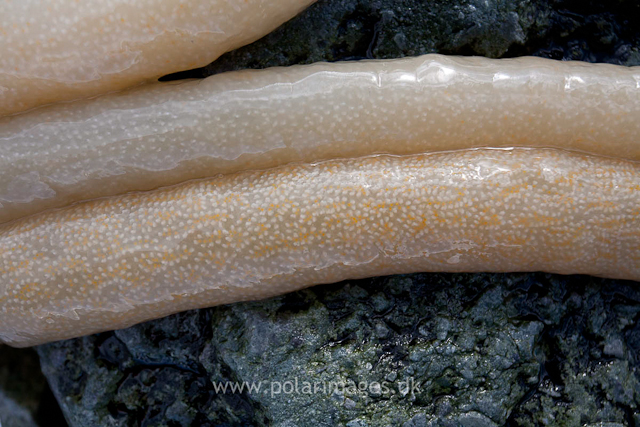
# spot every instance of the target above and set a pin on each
(438, 350)
(334, 30)
(483, 350)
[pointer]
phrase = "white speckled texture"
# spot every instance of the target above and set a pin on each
(58, 50)
(113, 262)
(168, 133)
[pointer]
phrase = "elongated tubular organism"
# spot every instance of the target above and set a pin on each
(113, 262)
(64, 49)
(168, 133)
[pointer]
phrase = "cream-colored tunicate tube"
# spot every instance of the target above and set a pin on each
(113, 262)
(64, 49)
(168, 133)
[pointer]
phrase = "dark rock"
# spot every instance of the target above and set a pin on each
(336, 30)
(460, 349)
(25, 397)
(12, 414)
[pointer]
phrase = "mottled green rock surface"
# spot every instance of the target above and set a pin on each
(420, 350)
(417, 350)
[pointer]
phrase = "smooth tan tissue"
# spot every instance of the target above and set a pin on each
(164, 134)
(58, 50)
(111, 263)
